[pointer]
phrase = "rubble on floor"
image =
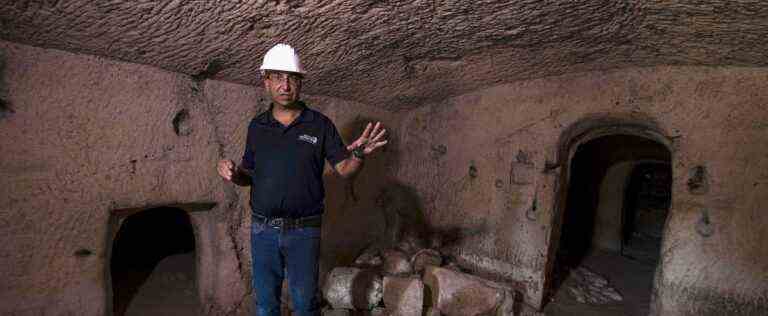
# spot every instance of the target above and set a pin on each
(412, 281)
(591, 288)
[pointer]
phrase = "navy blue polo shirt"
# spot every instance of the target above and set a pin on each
(286, 163)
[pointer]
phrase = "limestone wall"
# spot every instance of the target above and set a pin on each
(490, 166)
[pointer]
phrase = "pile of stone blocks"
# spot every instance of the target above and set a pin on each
(412, 282)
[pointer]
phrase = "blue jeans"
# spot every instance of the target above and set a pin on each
(275, 252)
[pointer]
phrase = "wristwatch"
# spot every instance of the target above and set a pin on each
(358, 153)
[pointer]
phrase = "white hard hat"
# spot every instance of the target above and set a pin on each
(282, 57)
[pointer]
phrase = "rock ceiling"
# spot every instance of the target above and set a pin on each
(398, 54)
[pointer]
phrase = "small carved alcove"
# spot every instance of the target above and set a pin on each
(152, 267)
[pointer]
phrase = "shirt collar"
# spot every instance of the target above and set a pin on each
(306, 115)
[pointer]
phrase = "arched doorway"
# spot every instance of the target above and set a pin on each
(152, 264)
(613, 212)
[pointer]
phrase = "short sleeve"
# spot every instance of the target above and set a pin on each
(247, 161)
(335, 150)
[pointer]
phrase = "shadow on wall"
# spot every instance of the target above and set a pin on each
(5, 105)
(407, 227)
(403, 215)
(376, 211)
(353, 219)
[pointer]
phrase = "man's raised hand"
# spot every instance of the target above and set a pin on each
(371, 139)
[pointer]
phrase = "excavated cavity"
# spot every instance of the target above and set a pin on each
(5, 105)
(144, 240)
(398, 54)
(181, 124)
(5, 109)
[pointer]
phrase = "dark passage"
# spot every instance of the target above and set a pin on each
(646, 205)
(156, 244)
(638, 218)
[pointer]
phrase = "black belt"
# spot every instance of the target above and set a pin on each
(285, 223)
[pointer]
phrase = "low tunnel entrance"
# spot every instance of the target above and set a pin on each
(152, 265)
(618, 197)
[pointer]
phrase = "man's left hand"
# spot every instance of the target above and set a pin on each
(371, 139)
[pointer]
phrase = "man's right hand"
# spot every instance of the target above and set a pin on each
(227, 169)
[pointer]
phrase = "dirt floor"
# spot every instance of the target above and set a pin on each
(631, 277)
(169, 290)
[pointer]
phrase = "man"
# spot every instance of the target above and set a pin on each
(283, 163)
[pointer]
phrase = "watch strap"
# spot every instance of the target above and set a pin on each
(358, 153)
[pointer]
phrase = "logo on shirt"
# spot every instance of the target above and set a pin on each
(309, 139)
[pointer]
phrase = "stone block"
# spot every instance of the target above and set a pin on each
(353, 288)
(460, 294)
(424, 258)
(371, 257)
(396, 262)
(403, 296)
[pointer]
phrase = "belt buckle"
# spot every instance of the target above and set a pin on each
(277, 223)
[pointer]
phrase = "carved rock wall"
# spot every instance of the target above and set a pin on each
(489, 164)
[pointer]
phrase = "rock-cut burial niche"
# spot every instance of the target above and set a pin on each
(619, 194)
(153, 264)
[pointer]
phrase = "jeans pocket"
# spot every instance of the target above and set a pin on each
(257, 228)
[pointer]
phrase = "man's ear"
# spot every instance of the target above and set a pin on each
(263, 79)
